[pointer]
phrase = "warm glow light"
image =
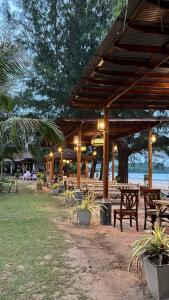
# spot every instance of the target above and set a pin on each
(67, 161)
(100, 63)
(97, 141)
(115, 148)
(76, 139)
(64, 160)
(51, 154)
(60, 149)
(100, 124)
(153, 138)
(83, 148)
(94, 153)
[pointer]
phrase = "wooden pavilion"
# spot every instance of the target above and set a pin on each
(86, 129)
(130, 69)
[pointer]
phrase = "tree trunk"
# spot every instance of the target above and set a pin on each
(1, 166)
(123, 155)
(93, 168)
(101, 171)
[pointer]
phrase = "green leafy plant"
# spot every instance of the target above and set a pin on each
(69, 197)
(154, 246)
(55, 186)
(87, 204)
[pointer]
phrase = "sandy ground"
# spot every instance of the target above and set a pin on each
(98, 257)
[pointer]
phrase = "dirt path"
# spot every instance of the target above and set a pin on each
(98, 258)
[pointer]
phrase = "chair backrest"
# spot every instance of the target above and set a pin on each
(129, 199)
(149, 196)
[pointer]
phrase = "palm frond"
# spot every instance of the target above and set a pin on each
(10, 63)
(44, 129)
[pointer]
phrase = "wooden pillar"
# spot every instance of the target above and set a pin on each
(52, 161)
(113, 157)
(61, 164)
(86, 169)
(79, 159)
(106, 156)
(150, 157)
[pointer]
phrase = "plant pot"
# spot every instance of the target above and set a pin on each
(55, 191)
(84, 217)
(39, 186)
(69, 201)
(157, 278)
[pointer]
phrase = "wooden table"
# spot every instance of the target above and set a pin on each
(159, 204)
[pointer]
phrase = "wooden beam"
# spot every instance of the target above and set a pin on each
(150, 156)
(103, 84)
(142, 48)
(128, 61)
(149, 91)
(149, 29)
(79, 159)
(106, 156)
(107, 72)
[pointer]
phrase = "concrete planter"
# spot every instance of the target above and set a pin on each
(84, 217)
(55, 191)
(39, 186)
(157, 278)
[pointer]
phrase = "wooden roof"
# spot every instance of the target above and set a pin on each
(118, 127)
(131, 67)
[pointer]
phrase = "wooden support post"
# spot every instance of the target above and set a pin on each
(113, 156)
(61, 164)
(52, 162)
(106, 156)
(150, 157)
(79, 159)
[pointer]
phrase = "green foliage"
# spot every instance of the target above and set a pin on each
(55, 186)
(10, 63)
(153, 246)
(70, 195)
(87, 204)
(63, 36)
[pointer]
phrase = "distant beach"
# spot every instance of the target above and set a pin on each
(160, 180)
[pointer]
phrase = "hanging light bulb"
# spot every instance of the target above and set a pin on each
(94, 153)
(100, 124)
(115, 148)
(60, 149)
(76, 139)
(153, 138)
(51, 154)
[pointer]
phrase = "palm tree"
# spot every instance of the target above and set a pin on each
(12, 128)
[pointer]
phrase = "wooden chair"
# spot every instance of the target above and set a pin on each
(150, 208)
(128, 207)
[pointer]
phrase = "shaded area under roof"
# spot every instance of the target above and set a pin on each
(69, 154)
(118, 127)
(131, 67)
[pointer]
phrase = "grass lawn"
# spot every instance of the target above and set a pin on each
(32, 247)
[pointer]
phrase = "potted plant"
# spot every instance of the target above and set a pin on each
(55, 188)
(153, 252)
(85, 209)
(69, 197)
(40, 181)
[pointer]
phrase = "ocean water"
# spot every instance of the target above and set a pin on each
(160, 180)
